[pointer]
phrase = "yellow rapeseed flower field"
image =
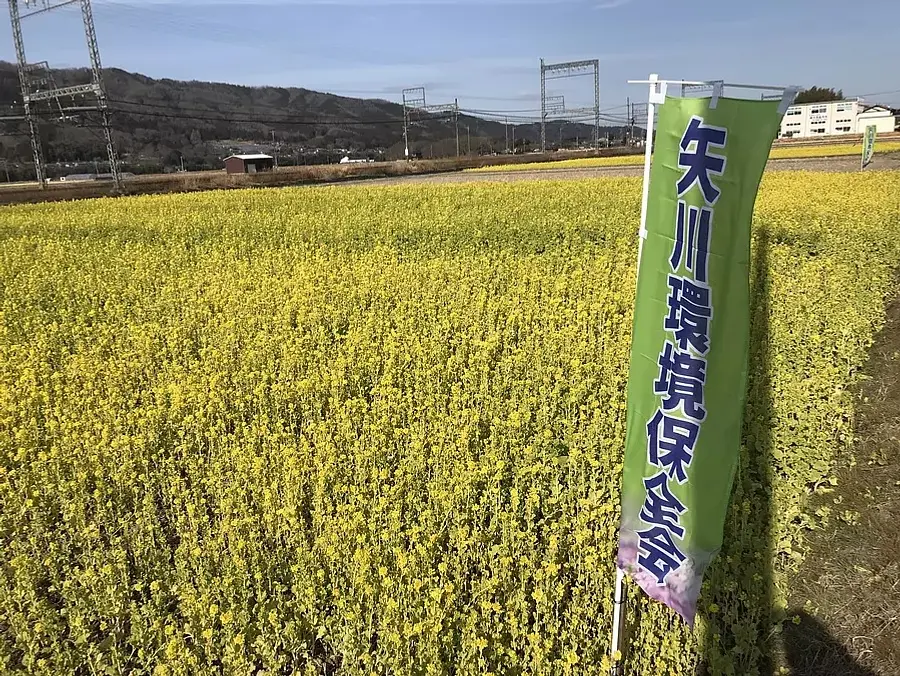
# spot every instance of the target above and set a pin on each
(777, 153)
(836, 150)
(379, 430)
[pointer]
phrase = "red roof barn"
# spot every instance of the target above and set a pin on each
(249, 164)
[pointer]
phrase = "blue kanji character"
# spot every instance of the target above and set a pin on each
(689, 313)
(698, 162)
(661, 508)
(681, 381)
(670, 444)
(658, 554)
(692, 233)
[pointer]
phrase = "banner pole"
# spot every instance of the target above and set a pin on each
(655, 91)
(618, 619)
(657, 95)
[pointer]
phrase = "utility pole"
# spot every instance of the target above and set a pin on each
(628, 113)
(543, 107)
(405, 132)
(597, 104)
(275, 147)
(468, 141)
(631, 110)
(456, 122)
(506, 131)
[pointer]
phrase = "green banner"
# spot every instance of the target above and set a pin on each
(868, 145)
(688, 374)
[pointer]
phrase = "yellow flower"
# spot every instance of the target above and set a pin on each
(305, 387)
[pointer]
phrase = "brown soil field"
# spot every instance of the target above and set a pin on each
(846, 596)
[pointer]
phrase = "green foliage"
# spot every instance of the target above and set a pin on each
(816, 94)
(379, 431)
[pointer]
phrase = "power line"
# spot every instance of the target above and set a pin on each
(255, 120)
(143, 109)
(223, 116)
(502, 112)
(484, 111)
(235, 120)
(895, 91)
(179, 108)
(470, 111)
(524, 119)
(169, 111)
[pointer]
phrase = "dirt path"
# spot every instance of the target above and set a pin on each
(846, 596)
(196, 181)
(836, 164)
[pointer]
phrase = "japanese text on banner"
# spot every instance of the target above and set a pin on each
(675, 427)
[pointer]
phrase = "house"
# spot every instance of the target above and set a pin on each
(849, 116)
(249, 164)
(882, 117)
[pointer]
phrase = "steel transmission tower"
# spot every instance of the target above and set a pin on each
(556, 71)
(414, 100)
(32, 94)
(453, 110)
(555, 105)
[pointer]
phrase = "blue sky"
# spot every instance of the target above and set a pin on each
(484, 52)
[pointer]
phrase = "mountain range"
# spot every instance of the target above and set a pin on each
(163, 124)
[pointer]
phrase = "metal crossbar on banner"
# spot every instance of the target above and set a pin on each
(658, 93)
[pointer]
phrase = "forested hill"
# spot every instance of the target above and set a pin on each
(160, 122)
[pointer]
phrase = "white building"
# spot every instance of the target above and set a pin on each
(850, 116)
(883, 119)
